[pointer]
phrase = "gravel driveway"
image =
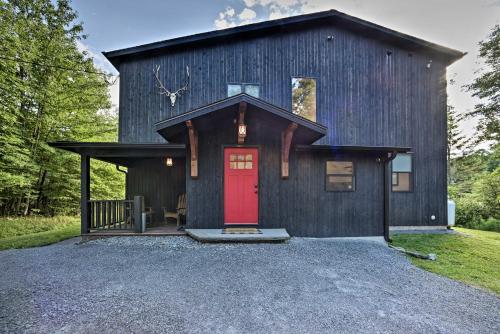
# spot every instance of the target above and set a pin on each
(176, 285)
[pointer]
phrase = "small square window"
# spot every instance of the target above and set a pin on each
(339, 176)
(241, 165)
(248, 165)
(238, 88)
(233, 90)
(252, 90)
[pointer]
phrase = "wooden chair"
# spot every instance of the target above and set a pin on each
(149, 212)
(179, 211)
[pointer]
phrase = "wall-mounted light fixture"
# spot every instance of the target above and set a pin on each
(429, 64)
(169, 161)
(242, 130)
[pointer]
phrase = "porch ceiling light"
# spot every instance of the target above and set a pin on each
(169, 161)
(242, 130)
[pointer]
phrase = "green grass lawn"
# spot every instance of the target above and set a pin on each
(23, 232)
(472, 256)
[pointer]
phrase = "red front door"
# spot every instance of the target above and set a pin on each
(241, 181)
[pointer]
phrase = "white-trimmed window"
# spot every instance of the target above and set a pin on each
(304, 97)
(238, 88)
(402, 173)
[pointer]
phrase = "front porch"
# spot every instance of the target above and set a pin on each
(155, 179)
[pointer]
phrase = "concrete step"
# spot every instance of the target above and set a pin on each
(218, 235)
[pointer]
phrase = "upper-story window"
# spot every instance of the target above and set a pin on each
(238, 88)
(304, 97)
(402, 170)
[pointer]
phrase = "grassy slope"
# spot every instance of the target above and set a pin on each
(472, 257)
(36, 231)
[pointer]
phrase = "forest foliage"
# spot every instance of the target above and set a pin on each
(50, 90)
(474, 174)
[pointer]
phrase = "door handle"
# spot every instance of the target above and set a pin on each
(256, 188)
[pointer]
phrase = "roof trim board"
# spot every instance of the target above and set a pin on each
(334, 16)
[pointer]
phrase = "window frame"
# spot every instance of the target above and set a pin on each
(316, 79)
(242, 85)
(410, 178)
(353, 175)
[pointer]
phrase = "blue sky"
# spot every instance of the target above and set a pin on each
(459, 24)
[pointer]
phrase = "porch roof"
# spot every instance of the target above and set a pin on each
(207, 116)
(354, 148)
(124, 154)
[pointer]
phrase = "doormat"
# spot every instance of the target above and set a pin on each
(241, 230)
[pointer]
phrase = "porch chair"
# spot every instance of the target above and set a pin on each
(179, 211)
(149, 212)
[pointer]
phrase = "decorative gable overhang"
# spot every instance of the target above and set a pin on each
(243, 109)
(207, 117)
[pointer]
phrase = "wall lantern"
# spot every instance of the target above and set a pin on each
(242, 130)
(169, 162)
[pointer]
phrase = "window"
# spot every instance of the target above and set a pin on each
(250, 89)
(339, 176)
(240, 161)
(304, 98)
(402, 172)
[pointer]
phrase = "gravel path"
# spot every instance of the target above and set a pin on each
(176, 285)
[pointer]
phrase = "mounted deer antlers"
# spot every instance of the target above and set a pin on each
(164, 91)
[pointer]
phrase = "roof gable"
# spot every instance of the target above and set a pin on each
(331, 16)
(173, 128)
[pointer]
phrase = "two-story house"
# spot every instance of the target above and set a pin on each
(323, 124)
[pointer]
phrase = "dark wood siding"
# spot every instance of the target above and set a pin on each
(366, 96)
(160, 185)
(299, 204)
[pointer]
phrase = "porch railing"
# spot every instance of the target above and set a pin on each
(111, 214)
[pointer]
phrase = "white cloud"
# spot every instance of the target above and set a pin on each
(250, 3)
(247, 14)
(223, 24)
(230, 11)
(226, 19)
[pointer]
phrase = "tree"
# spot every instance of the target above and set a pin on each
(49, 91)
(487, 88)
(456, 142)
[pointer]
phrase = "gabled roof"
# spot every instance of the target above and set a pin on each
(173, 129)
(124, 154)
(330, 16)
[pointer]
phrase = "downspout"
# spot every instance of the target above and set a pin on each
(126, 177)
(387, 192)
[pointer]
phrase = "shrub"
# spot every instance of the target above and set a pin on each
(487, 189)
(469, 212)
(490, 224)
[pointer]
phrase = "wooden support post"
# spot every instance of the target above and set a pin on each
(193, 144)
(286, 142)
(85, 194)
(242, 108)
(138, 209)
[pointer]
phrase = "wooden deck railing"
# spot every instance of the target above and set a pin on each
(111, 214)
